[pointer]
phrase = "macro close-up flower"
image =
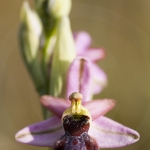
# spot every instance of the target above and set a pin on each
(66, 76)
(75, 75)
(106, 132)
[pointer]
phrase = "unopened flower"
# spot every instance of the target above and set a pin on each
(30, 31)
(59, 8)
(51, 12)
(47, 44)
(29, 39)
(104, 131)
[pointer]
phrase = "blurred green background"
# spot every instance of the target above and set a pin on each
(121, 27)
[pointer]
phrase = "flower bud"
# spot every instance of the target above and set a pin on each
(29, 39)
(59, 8)
(31, 29)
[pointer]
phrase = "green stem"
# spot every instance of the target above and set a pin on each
(49, 46)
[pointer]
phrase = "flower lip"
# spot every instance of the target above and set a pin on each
(76, 125)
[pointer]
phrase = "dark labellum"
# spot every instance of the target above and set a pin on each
(76, 134)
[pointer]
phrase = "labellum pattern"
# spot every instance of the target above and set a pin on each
(76, 135)
(76, 126)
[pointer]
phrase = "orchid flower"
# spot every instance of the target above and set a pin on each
(106, 132)
(82, 42)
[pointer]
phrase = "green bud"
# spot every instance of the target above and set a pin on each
(29, 37)
(59, 8)
(49, 23)
(32, 28)
(64, 54)
(45, 16)
(50, 12)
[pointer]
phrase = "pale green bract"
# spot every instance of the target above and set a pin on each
(29, 34)
(64, 54)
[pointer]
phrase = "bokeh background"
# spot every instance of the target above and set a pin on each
(121, 27)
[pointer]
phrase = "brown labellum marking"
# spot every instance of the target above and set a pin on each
(75, 142)
(76, 134)
(76, 125)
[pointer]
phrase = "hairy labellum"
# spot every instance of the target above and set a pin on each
(76, 134)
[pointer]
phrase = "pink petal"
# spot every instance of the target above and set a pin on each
(98, 108)
(82, 42)
(110, 134)
(44, 133)
(55, 105)
(80, 78)
(100, 79)
(94, 54)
